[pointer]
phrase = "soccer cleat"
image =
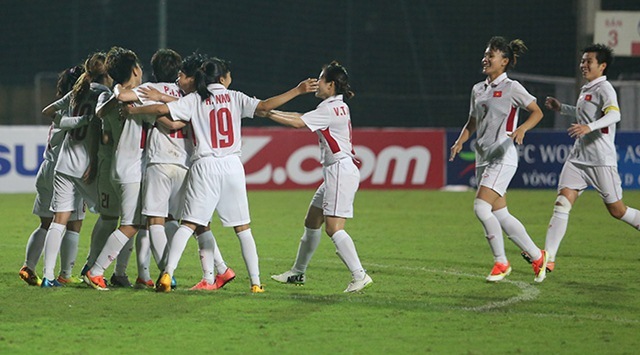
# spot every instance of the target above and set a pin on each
(142, 284)
(46, 283)
(359, 285)
(120, 281)
(540, 267)
(204, 286)
(224, 278)
(257, 289)
(174, 283)
(550, 264)
(97, 282)
(71, 280)
(164, 283)
(499, 271)
(29, 276)
(290, 277)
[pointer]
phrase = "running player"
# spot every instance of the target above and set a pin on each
(495, 103)
(216, 180)
(44, 193)
(332, 203)
(129, 139)
(593, 158)
(77, 165)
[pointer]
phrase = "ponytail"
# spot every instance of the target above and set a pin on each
(94, 71)
(510, 50)
(336, 73)
(210, 72)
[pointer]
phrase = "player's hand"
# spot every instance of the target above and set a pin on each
(518, 135)
(552, 103)
(150, 94)
(307, 86)
(125, 110)
(578, 130)
(455, 149)
(262, 113)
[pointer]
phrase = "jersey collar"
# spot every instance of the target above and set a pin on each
(331, 99)
(594, 82)
(216, 86)
(496, 82)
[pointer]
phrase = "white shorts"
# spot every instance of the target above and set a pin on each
(44, 194)
(605, 179)
(497, 177)
(217, 184)
(69, 195)
(338, 190)
(109, 198)
(163, 190)
(130, 204)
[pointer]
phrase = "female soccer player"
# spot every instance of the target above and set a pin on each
(77, 163)
(593, 158)
(44, 193)
(494, 115)
(332, 203)
(216, 180)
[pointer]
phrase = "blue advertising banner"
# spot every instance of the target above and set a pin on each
(541, 158)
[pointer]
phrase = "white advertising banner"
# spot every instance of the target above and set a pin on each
(620, 30)
(21, 149)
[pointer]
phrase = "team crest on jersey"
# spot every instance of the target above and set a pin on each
(587, 97)
(497, 94)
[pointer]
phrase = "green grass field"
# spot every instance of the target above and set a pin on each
(425, 251)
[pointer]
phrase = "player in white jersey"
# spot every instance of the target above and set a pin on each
(593, 158)
(216, 180)
(129, 139)
(332, 203)
(495, 103)
(44, 193)
(168, 143)
(77, 164)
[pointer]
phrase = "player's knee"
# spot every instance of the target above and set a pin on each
(562, 205)
(482, 209)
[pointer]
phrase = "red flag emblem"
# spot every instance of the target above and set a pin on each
(587, 97)
(497, 94)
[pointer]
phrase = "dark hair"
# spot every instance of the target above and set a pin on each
(510, 50)
(67, 78)
(210, 72)
(94, 71)
(336, 73)
(192, 63)
(165, 64)
(604, 54)
(120, 63)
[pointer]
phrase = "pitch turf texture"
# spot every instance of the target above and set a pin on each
(428, 258)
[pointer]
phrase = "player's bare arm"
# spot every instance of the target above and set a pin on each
(124, 95)
(468, 129)
(305, 86)
(290, 119)
(534, 118)
(155, 95)
(158, 110)
(170, 124)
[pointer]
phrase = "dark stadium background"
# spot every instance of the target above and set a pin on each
(412, 63)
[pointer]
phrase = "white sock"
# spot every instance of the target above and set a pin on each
(178, 244)
(346, 250)
(492, 230)
(68, 253)
(143, 254)
(308, 244)
(632, 217)
(555, 232)
(250, 255)
(122, 261)
(158, 239)
(99, 235)
(517, 233)
(218, 261)
(35, 245)
(170, 229)
(52, 248)
(109, 253)
(206, 247)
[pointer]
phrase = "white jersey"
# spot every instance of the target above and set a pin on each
(166, 146)
(216, 121)
(54, 143)
(331, 121)
(596, 148)
(495, 106)
(129, 139)
(79, 143)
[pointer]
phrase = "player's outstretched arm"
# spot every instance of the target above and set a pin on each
(155, 95)
(290, 119)
(158, 110)
(124, 95)
(170, 124)
(305, 86)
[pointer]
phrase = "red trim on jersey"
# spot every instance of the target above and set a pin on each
(333, 144)
(511, 120)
